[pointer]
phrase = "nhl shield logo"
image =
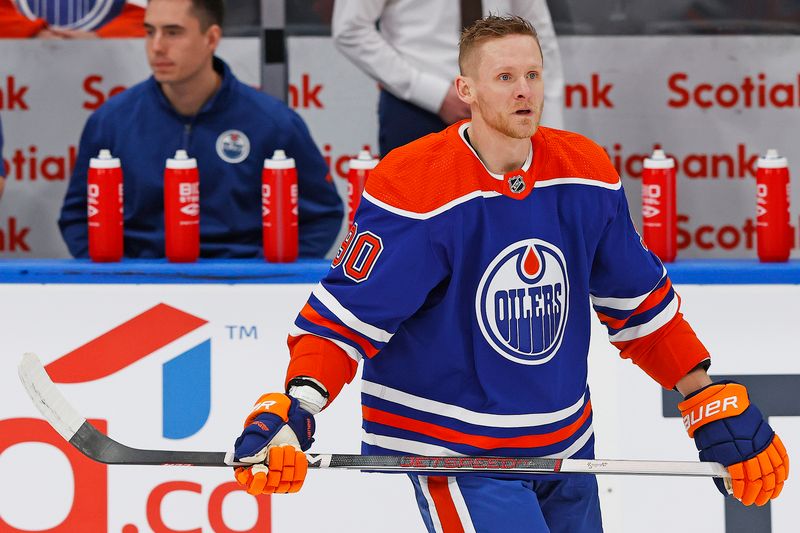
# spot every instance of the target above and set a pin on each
(233, 146)
(522, 302)
(516, 184)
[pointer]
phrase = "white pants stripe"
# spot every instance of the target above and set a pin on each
(458, 502)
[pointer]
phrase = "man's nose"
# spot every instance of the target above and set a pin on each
(521, 89)
(156, 42)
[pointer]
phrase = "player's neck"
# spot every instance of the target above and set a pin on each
(499, 152)
(188, 96)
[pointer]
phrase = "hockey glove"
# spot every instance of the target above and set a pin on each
(276, 431)
(728, 429)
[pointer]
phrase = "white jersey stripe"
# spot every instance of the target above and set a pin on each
(348, 318)
(575, 446)
(354, 354)
(484, 194)
(422, 448)
(577, 181)
(430, 214)
(637, 332)
(466, 415)
(627, 304)
(432, 511)
(407, 446)
(461, 505)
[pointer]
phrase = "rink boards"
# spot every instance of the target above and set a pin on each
(183, 357)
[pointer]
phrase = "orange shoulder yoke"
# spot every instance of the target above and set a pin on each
(427, 173)
(571, 155)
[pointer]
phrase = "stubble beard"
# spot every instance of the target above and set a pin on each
(511, 125)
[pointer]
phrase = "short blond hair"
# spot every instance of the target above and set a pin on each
(492, 27)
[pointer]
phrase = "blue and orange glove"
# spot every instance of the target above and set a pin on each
(728, 429)
(276, 432)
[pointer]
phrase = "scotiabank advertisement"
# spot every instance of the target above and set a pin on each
(179, 366)
(712, 103)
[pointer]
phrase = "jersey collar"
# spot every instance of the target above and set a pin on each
(500, 177)
(516, 184)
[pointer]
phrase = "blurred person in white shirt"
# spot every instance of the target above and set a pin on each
(411, 48)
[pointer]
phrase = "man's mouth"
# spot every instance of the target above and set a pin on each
(523, 112)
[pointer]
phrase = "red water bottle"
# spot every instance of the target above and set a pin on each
(104, 207)
(360, 168)
(279, 208)
(773, 232)
(659, 212)
(182, 208)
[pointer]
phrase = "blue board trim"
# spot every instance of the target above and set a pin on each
(133, 271)
(257, 271)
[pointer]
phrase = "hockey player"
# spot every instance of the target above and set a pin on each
(463, 285)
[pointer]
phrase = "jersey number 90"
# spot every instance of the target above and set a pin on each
(358, 252)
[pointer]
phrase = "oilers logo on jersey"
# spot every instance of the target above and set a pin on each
(522, 301)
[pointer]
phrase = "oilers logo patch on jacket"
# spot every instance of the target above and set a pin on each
(467, 294)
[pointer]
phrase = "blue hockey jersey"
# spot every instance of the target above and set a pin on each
(230, 138)
(467, 295)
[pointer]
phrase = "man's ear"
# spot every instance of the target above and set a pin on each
(464, 89)
(214, 36)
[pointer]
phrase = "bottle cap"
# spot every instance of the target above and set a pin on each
(772, 160)
(659, 160)
(181, 161)
(104, 160)
(364, 161)
(279, 161)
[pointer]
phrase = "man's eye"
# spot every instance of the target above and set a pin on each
(505, 77)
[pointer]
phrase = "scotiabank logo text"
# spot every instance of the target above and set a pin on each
(758, 92)
(186, 383)
(736, 236)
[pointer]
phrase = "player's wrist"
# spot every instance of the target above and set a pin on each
(694, 380)
(309, 393)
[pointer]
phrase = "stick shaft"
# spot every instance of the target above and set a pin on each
(102, 448)
(524, 465)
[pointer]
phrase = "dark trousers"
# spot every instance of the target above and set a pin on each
(400, 122)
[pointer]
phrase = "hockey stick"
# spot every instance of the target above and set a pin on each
(92, 443)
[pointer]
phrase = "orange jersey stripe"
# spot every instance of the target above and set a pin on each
(445, 508)
(478, 441)
(310, 314)
(655, 298)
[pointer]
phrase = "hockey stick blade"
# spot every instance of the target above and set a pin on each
(91, 442)
(99, 447)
